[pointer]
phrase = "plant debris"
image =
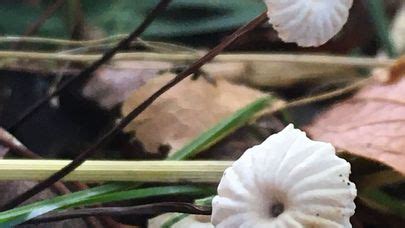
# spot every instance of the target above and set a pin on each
(112, 85)
(184, 112)
(370, 124)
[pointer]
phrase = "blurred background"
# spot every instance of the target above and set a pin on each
(72, 121)
(196, 23)
(374, 29)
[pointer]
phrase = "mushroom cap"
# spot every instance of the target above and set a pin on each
(308, 22)
(287, 181)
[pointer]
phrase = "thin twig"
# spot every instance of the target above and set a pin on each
(86, 73)
(234, 57)
(110, 40)
(145, 210)
(49, 11)
(325, 96)
(62, 42)
(8, 140)
(19, 149)
(135, 112)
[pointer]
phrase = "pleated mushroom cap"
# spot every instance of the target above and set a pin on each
(287, 181)
(308, 22)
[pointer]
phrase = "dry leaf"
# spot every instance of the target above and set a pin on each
(185, 111)
(371, 124)
(112, 85)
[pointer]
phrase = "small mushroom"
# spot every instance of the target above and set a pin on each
(308, 22)
(287, 181)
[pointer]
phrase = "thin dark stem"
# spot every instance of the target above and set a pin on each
(146, 210)
(49, 11)
(17, 148)
(86, 73)
(33, 27)
(134, 113)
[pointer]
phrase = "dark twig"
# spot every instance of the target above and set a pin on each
(49, 11)
(8, 140)
(134, 113)
(146, 210)
(86, 73)
(33, 27)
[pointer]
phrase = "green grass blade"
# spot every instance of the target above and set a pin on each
(95, 195)
(221, 130)
(21, 214)
(148, 192)
(177, 217)
(383, 200)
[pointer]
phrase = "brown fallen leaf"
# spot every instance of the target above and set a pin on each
(112, 85)
(370, 124)
(185, 111)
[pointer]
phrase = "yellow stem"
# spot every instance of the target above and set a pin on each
(136, 171)
(235, 57)
(324, 96)
(55, 41)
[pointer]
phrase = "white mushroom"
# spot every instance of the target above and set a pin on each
(287, 181)
(308, 22)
